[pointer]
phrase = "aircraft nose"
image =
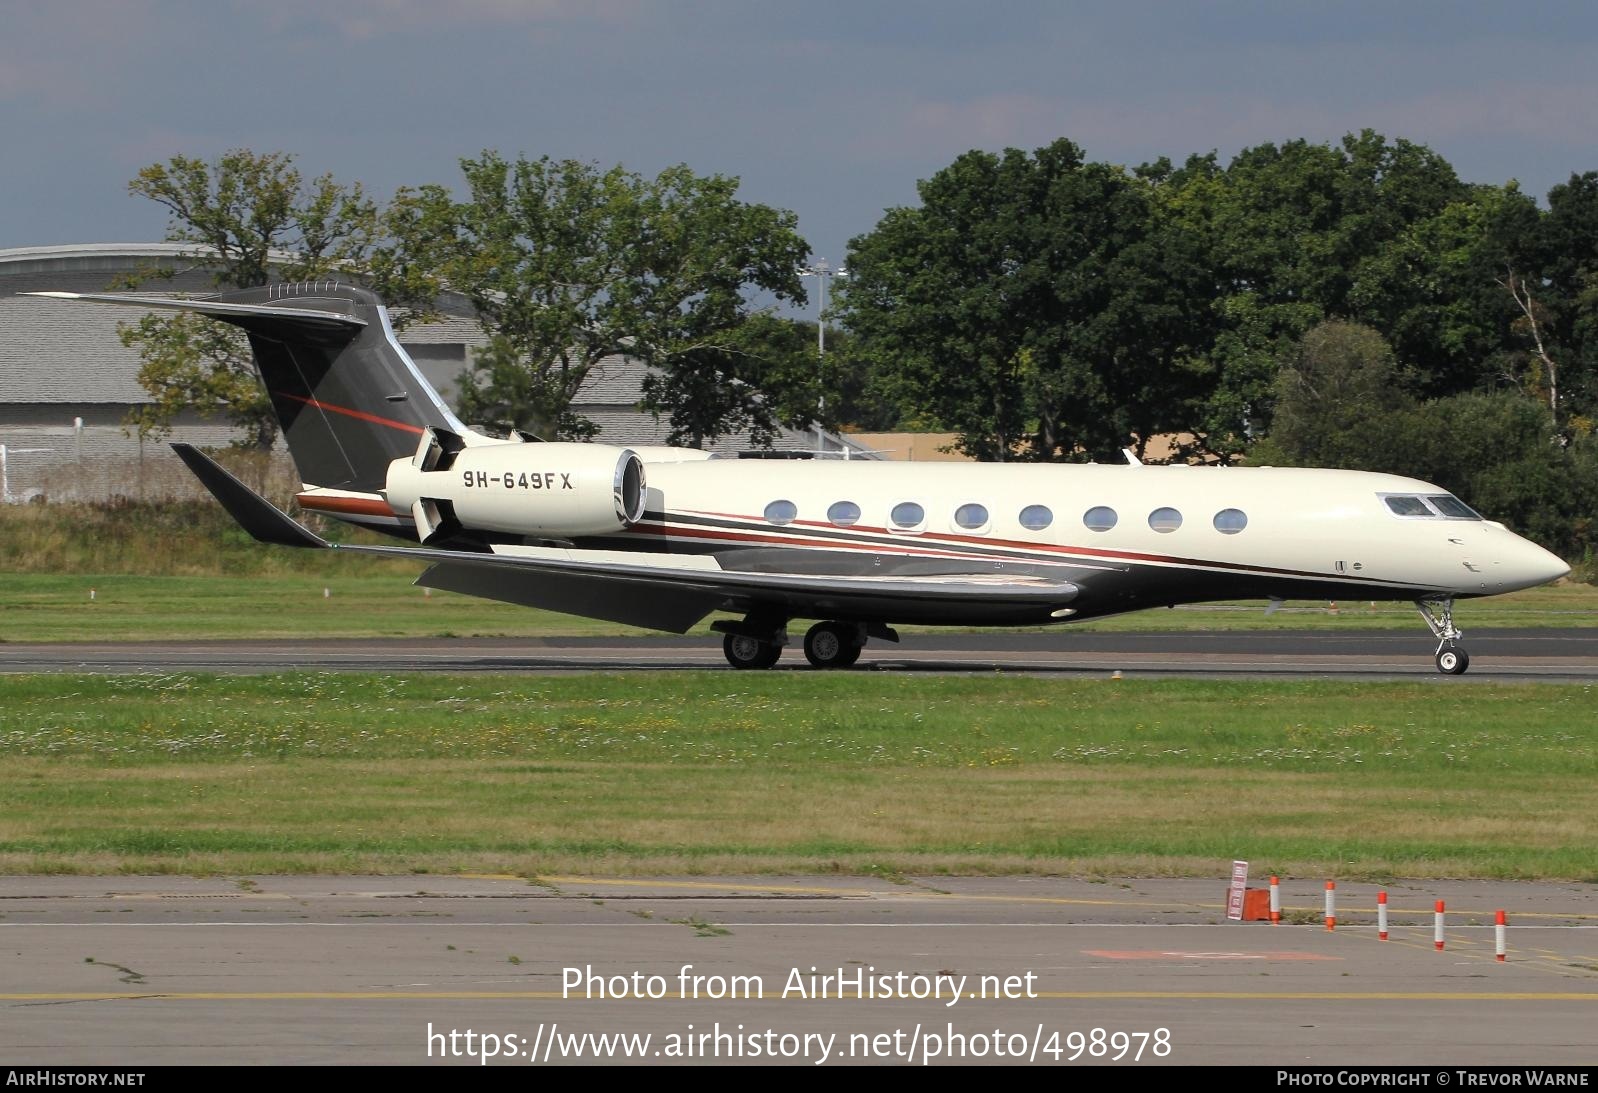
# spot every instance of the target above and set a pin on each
(1529, 565)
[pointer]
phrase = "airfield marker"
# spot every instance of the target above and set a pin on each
(1381, 915)
(327, 593)
(1331, 905)
(1437, 930)
(1276, 902)
(1498, 934)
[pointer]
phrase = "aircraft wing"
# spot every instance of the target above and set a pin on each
(668, 592)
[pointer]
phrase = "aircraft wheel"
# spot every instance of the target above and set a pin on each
(831, 645)
(742, 651)
(1452, 661)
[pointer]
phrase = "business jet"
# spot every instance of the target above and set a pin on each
(662, 537)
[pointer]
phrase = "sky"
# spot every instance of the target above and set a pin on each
(833, 109)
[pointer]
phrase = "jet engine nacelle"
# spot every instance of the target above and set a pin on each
(556, 491)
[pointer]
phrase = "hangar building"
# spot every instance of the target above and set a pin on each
(67, 384)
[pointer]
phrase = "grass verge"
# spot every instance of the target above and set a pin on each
(719, 773)
(123, 607)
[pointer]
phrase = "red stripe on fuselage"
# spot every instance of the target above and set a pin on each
(851, 546)
(1028, 551)
(354, 506)
(358, 414)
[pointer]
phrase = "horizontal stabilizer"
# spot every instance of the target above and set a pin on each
(254, 513)
(334, 317)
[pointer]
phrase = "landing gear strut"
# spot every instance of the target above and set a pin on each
(834, 644)
(1439, 615)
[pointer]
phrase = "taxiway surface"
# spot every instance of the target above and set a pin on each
(1556, 655)
(127, 971)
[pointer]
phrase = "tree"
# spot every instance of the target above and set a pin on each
(250, 218)
(1031, 303)
(500, 392)
(1338, 404)
(763, 373)
(1434, 292)
(1569, 291)
(567, 264)
(1290, 232)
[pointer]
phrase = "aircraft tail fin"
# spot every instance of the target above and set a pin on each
(347, 396)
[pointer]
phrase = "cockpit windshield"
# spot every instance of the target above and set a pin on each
(1432, 506)
(1452, 507)
(1408, 506)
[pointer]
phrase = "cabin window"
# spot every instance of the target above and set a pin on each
(971, 517)
(1165, 520)
(907, 515)
(781, 512)
(1036, 517)
(1230, 521)
(1452, 507)
(1407, 506)
(1100, 518)
(843, 513)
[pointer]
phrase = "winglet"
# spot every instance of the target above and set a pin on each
(254, 513)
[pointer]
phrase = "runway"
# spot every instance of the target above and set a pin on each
(130, 971)
(1547, 655)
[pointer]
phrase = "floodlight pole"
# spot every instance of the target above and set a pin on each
(820, 270)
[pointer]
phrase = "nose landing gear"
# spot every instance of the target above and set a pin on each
(1439, 615)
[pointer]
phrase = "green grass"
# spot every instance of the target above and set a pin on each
(55, 607)
(711, 772)
(49, 607)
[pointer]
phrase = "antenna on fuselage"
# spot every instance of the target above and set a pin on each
(1131, 457)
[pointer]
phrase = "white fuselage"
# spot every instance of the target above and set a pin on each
(1298, 528)
(1114, 538)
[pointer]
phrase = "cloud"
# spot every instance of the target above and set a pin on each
(362, 20)
(1553, 114)
(55, 52)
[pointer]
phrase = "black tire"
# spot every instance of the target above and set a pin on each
(1452, 661)
(831, 645)
(747, 652)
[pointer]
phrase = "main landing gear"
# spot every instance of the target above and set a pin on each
(834, 644)
(743, 651)
(1439, 615)
(758, 642)
(755, 642)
